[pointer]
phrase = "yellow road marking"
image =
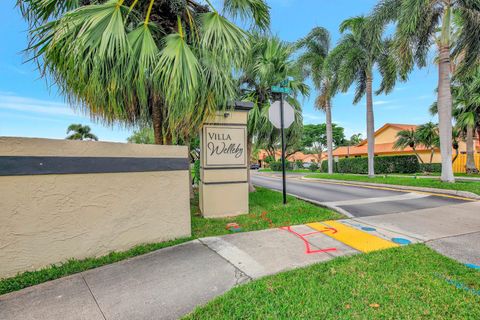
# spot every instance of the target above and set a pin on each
(394, 189)
(352, 237)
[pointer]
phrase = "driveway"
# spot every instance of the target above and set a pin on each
(354, 200)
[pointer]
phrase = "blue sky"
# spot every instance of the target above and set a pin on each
(31, 107)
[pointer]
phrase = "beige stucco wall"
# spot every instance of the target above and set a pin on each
(388, 135)
(47, 219)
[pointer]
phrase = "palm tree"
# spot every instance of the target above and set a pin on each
(80, 132)
(427, 135)
(466, 111)
(354, 60)
(420, 25)
(466, 102)
(165, 64)
(269, 61)
(316, 47)
(407, 138)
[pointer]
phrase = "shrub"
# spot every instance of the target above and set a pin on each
(383, 165)
(324, 167)
(430, 167)
(299, 164)
(313, 166)
(277, 165)
(269, 159)
(196, 172)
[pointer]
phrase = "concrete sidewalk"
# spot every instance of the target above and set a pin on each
(171, 282)
(453, 230)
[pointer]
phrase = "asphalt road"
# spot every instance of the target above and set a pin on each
(358, 201)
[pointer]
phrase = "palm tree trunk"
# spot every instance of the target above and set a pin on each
(157, 123)
(370, 129)
(445, 114)
(328, 114)
(416, 153)
(251, 187)
(471, 168)
(431, 155)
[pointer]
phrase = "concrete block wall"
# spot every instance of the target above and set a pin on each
(75, 199)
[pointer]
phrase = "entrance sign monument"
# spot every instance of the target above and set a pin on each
(224, 163)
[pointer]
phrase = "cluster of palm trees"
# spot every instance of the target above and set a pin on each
(425, 135)
(452, 27)
(171, 64)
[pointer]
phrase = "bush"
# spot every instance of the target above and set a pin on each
(299, 164)
(269, 159)
(313, 166)
(324, 167)
(383, 165)
(196, 172)
(430, 167)
(277, 165)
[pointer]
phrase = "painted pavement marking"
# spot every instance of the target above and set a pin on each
(308, 249)
(408, 196)
(362, 241)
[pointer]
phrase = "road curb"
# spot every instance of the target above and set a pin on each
(464, 194)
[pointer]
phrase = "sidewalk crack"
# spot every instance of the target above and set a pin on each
(94, 299)
(239, 274)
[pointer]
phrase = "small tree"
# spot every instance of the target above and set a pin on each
(407, 138)
(80, 132)
(427, 135)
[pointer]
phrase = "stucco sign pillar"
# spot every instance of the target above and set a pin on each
(224, 163)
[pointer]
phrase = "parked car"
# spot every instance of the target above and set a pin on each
(254, 166)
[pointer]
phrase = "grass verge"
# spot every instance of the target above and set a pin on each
(470, 186)
(297, 170)
(266, 211)
(402, 283)
(263, 200)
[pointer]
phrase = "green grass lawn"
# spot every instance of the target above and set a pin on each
(401, 283)
(471, 186)
(296, 170)
(263, 200)
(266, 211)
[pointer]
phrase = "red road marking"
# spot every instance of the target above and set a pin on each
(308, 250)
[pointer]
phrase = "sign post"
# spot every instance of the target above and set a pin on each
(282, 116)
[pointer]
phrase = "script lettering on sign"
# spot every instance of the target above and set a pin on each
(225, 146)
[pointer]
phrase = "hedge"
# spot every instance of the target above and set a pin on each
(324, 167)
(277, 165)
(383, 165)
(430, 167)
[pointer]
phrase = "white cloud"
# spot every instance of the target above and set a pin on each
(29, 105)
(382, 102)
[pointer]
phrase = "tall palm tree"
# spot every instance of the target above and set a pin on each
(420, 24)
(315, 49)
(269, 61)
(80, 132)
(466, 112)
(166, 64)
(407, 138)
(466, 102)
(354, 60)
(427, 135)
